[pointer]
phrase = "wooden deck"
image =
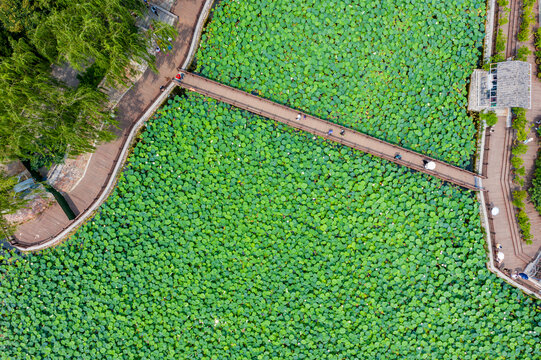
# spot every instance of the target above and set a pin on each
(328, 130)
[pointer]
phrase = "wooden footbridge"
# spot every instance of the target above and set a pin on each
(328, 130)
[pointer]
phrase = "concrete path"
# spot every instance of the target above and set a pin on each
(503, 227)
(130, 108)
(499, 184)
(533, 115)
(328, 130)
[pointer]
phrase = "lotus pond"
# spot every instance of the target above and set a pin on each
(231, 237)
(396, 70)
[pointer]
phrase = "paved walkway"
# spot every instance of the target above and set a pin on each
(328, 130)
(53, 221)
(504, 227)
(499, 184)
(533, 115)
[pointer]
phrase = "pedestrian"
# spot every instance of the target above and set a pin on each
(146, 2)
(154, 10)
(162, 88)
(330, 132)
(342, 132)
(298, 117)
(157, 50)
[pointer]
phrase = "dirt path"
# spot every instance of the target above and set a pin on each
(130, 108)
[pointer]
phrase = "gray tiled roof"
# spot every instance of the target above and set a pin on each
(506, 85)
(514, 81)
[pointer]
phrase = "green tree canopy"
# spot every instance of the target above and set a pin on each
(39, 115)
(19, 16)
(41, 118)
(102, 32)
(9, 201)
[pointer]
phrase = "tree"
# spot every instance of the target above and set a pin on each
(5, 46)
(102, 32)
(20, 15)
(40, 116)
(10, 202)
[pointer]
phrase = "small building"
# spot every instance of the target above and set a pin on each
(507, 84)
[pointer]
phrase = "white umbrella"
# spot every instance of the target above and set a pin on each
(495, 211)
(499, 256)
(431, 165)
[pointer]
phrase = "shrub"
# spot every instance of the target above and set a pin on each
(500, 42)
(520, 124)
(498, 58)
(537, 42)
(520, 171)
(519, 149)
(537, 53)
(524, 225)
(528, 18)
(516, 162)
(522, 53)
(535, 189)
(490, 118)
(518, 198)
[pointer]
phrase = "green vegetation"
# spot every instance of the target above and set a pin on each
(523, 221)
(40, 118)
(503, 12)
(522, 53)
(232, 237)
(537, 52)
(229, 236)
(535, 189)
(84, 32)
(520, 124)
(10, 202)
(499, 50)
(528, 19)
(399, 74)
(92, 76)
(501, 40)
(489, 117)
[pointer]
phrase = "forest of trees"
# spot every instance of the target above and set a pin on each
(41, 118)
